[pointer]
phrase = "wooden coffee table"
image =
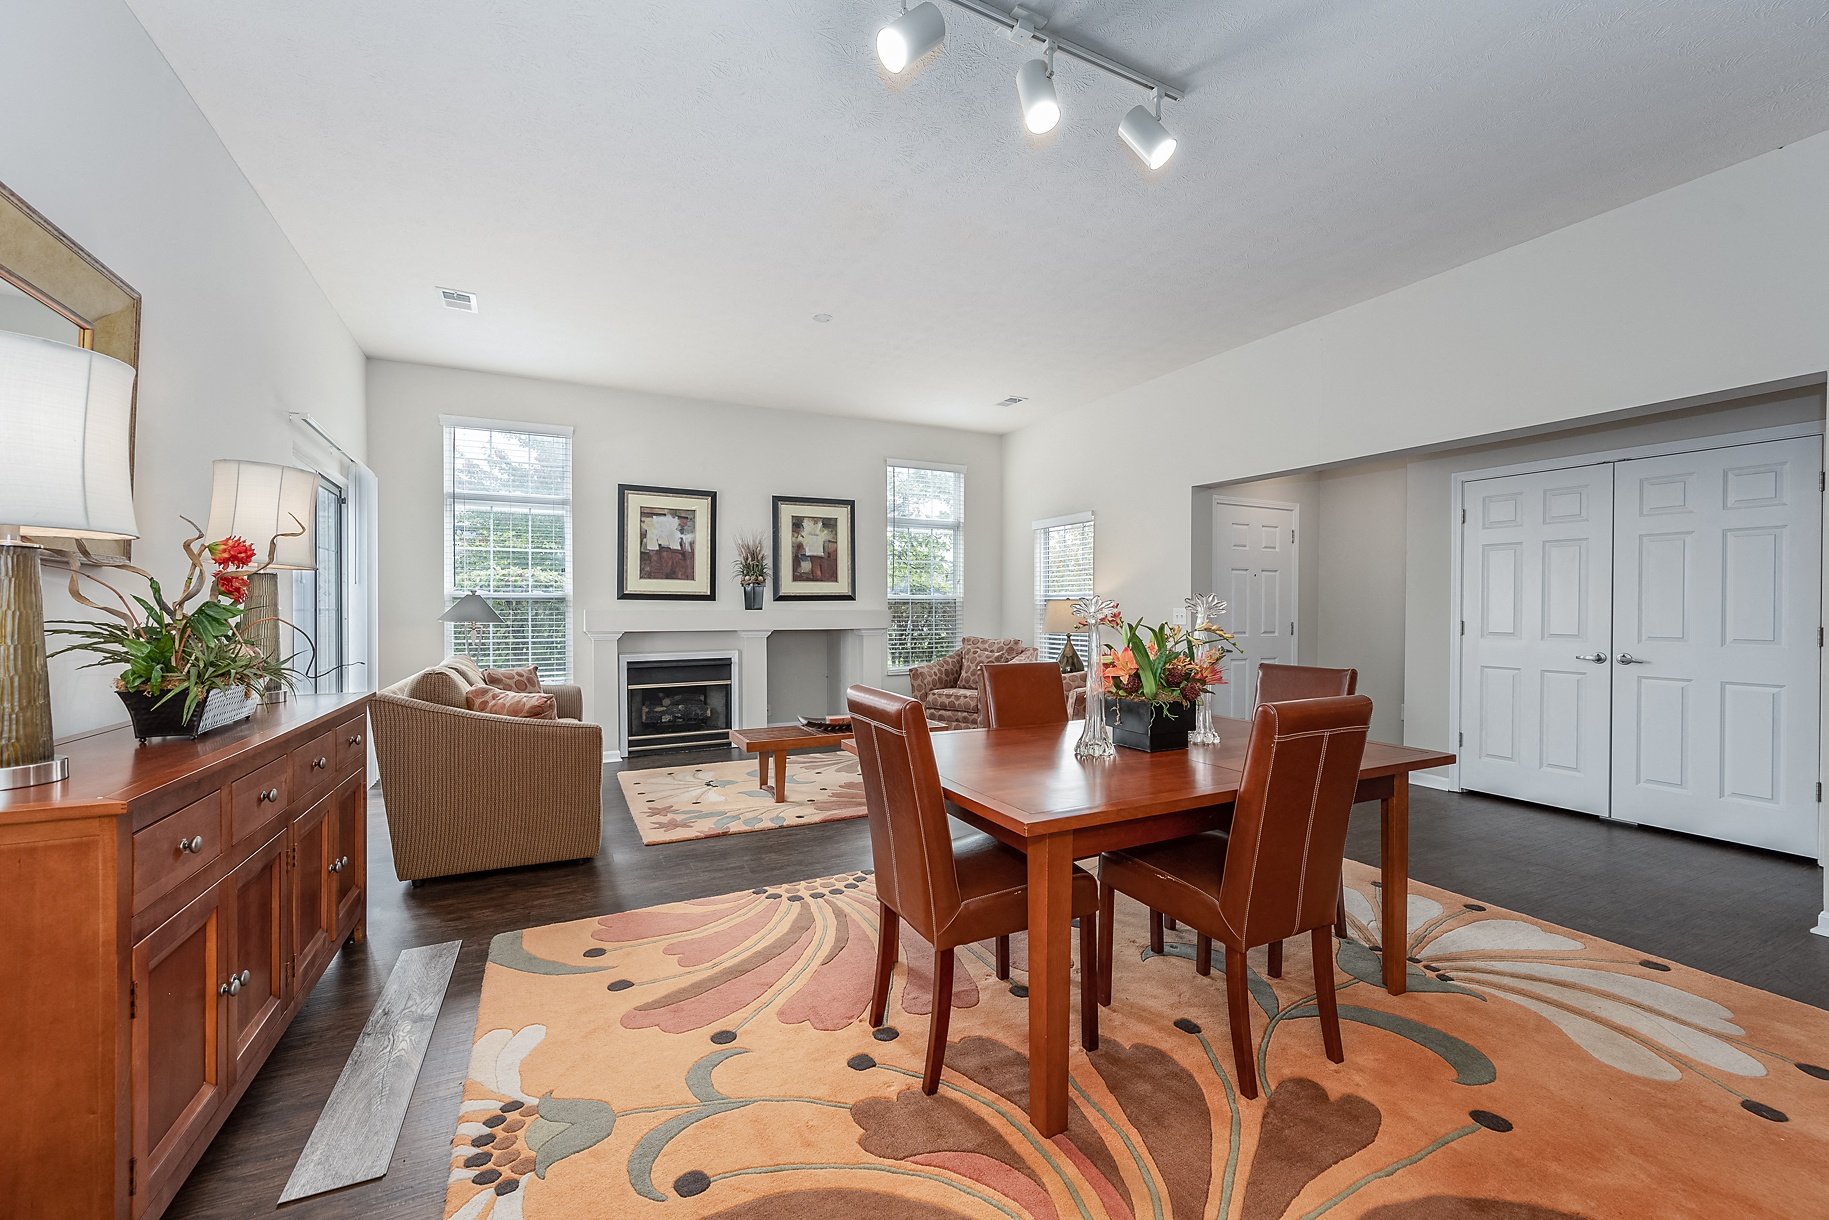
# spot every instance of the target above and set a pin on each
(774, 741)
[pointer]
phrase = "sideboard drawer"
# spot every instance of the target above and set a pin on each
(176, 847)
(314, 766)
(258, 797)
(352, 744)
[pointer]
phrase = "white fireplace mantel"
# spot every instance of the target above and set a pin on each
(677, 629)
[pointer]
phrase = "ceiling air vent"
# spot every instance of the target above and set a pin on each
(454, 299)
(1011, 401)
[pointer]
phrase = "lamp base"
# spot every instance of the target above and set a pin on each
(30, 775)
(1070, 659)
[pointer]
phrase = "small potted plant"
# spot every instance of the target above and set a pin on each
(1155, 677)
(183, 671)
(751, 567)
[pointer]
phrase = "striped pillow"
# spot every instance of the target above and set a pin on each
(526, 705)
(526, 681)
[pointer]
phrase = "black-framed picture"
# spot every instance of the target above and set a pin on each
(668, 543)
(815, 549)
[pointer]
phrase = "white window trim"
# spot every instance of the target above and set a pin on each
(1036, 527)
(504, 425)
(957, 523)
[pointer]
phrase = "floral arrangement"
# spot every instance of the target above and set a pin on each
(1163, 664)
(751, 566)
(165, 650)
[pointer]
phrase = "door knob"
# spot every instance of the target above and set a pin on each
(1598, 658)
(1626, 658)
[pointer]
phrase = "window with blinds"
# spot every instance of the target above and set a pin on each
(1063, 568)
(926, 562)
(508, 527)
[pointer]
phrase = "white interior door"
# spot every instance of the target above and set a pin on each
(1254, 569)
(1717, 669)
(1535, 606)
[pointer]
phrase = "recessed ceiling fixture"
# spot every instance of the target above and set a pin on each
(920, 29)
(822, 317)
(916, 32)
(455, 299)
(1011, 401)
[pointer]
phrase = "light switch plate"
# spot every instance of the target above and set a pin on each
(1179, 618)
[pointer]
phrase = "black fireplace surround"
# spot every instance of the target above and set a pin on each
(678, 705)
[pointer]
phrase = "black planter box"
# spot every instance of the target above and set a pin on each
(1137, 725)
(220, 708)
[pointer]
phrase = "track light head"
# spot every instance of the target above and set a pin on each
(1041, 106)
(910, 36)
(1142, 129)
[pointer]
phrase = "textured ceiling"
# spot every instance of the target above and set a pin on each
(661, 196)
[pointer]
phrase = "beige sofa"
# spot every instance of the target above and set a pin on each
(937, 684)
(468, 791)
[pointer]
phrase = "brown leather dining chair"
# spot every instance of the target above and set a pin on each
(1016, 694)
(953, 892)
(1268, 877)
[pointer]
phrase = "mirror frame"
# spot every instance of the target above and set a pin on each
(45, 263)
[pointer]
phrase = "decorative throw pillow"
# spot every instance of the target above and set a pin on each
(526, 681)
(511, 703)
(978, 652)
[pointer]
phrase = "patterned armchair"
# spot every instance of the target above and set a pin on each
(948, 687)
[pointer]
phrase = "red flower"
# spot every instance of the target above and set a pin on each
(232, 552)
(235, 588)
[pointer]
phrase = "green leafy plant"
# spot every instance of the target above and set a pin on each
(1164, 664)
(166, 651)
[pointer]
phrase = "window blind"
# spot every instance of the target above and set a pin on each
(1063, 568)
(926, 562)
(508, 526)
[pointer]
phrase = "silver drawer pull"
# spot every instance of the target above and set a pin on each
(270, 794)
(355, 739)
(339, 864)
(319, 763)
(193, 845)
(232, 987)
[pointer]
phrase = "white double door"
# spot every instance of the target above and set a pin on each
(1254, 569)
(1640, 640)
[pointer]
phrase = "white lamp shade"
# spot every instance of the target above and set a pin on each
(1041, 107)
(66, 439)
(910, 36)
(258, 501)
(1147, 137)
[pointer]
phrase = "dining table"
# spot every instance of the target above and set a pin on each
(1025, 787)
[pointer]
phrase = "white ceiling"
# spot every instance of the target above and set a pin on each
(661, 196)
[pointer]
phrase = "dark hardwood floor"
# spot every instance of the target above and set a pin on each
(1739, 913)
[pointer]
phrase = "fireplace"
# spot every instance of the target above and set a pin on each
(678, 703)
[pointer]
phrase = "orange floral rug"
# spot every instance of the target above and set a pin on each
(709, 1058)
(672, 804)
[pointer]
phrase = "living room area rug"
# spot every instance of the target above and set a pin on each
(705, 800)
(709, 1058)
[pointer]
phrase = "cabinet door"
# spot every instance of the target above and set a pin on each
(180, 1056)
(351, 814)
(314, 898)
(259, 988)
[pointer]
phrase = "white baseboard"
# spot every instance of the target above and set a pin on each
(1423, 779)
(610, 756)
(1822, 924)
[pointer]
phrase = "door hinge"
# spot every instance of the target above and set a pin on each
(1463, 626)
(1460, 739)
(1292, 534)
(1819, 637)
(1819, 791)
(133, 1000)
(1463, 516)
(1822, 480)
(133, 1184)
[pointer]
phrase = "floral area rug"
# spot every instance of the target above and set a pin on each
(672, 804)
(710, 1058)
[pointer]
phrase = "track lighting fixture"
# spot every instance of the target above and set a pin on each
(920, 29)
(910, 36)
(1142, 129)
(1041, 107)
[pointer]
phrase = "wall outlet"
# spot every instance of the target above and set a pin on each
(1179, 618)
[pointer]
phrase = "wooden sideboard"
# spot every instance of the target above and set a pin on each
(165, 911)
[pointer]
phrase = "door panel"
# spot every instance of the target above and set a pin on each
(1536, 550)
(314, 906)
(180, 1062)
(351, 842)
(1718, 603)
(256, 894)
(1254, 566)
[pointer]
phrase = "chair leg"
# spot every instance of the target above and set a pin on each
(1340, 912)
(1168, 921)
(936, 1029)
(1107, 903)
(1155, 931)
(1089, 982)
(1238, 1015)
(1203, 954)
(1276, 959)
(1003, 957)
(888, 934)
(1323, 943)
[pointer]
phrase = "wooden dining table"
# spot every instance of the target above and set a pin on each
(1025, 787)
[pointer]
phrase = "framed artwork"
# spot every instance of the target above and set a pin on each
(815, 549)
(668, 543)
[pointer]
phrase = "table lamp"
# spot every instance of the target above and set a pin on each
(1058, 618)
(472, 609)
(271, 507)
(66, 414)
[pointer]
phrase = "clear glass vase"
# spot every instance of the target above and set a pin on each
(1205, 732)
(1095, 738)
(1204, 610)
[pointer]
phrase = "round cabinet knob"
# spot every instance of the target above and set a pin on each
(245, 976)
(355, 739)
(342, 862)
(270, 794)
(319, 763)
(232, 987)
(193, 845)
(336, 866)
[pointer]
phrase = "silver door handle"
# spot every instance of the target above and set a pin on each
(1598, 658)
(1626, 658)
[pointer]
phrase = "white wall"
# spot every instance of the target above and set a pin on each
(745, 454)
(104, 141)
